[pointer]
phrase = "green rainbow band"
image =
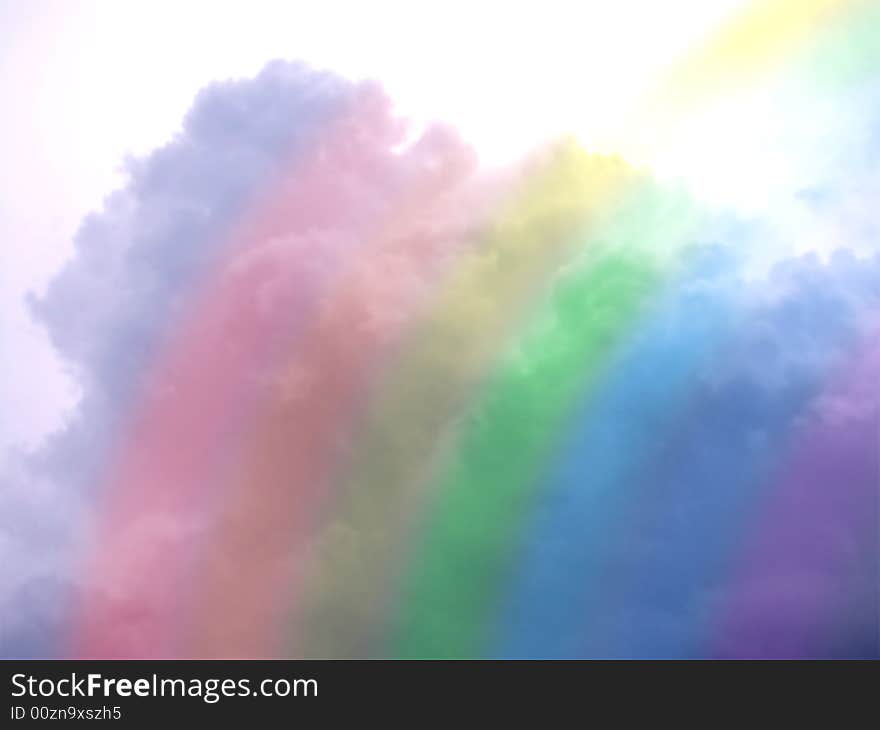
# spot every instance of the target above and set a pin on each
(443, 361)
(484, 496)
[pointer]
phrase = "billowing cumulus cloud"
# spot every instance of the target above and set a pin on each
(676, 455)
(211, 255)
(344, 393)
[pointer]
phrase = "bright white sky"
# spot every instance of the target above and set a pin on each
(83, 83)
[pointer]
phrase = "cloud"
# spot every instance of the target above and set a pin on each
(674, 457)
(182, 290)
(239, 316)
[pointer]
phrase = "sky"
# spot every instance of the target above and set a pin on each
(92, 83)
(596, 276)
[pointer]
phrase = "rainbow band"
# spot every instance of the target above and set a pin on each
(483, 497)
(617, 428)
(680, 558)
(831, 42)
(794, 560)
(443, 361)
(188, 426)
(260, 537)
(516, 463)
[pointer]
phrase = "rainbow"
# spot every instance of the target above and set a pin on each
(511, 416)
